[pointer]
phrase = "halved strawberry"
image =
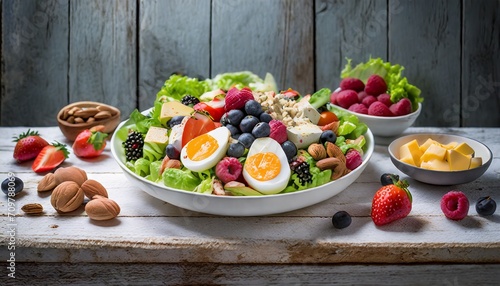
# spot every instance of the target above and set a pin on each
(391, 202)
(50, 157)
(28, 145)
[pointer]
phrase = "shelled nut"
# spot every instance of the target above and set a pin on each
(32, 209)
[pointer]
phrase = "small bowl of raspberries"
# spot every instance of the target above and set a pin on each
(372, 103)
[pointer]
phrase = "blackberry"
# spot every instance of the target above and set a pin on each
(189, 100)
(133, 146)
(301, 168)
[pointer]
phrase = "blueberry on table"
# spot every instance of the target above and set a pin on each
(388, 179)
(486, 206)
(12, 185)
(341, 219)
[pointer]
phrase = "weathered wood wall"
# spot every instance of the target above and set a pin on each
(120, 51)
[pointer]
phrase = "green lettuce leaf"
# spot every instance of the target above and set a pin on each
(176, 86)
(180, 179)
(320, 97)
(235, 79)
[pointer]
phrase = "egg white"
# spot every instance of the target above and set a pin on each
(276, 184)
(222, 135)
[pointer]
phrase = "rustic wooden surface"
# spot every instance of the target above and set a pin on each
(58, 51)
(300, 242)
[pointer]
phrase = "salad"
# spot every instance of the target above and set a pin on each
(237, 135)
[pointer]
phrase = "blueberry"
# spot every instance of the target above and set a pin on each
(234, 116)
(12, 185)
(328, 136)
(387, 179)
(248, 123)
(175, 120)
(265, 117)
(172, 152)
(486, 206)
(233, 129)
(246, 139)
(254, 108)
(262, 129)
(236, 136)
(290, 149)
(223, 119)
(341, 219)
(236, 150)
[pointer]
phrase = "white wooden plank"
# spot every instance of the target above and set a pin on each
(174, 37)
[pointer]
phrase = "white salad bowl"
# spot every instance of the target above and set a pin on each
(240, 205)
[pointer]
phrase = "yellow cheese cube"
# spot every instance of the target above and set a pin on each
(436, 164)
(157, 135)
(435, 151)
(475, 162)
(410, 150)
(465, 149)
(173, 108)
(450, 145)
(457, 160)
(408, 160)
(426, 144)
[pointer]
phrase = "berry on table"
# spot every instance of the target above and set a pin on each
(341, 219)
(486, 206)
(455, 205)
(12, 185)
(388, 179)
(390, 203)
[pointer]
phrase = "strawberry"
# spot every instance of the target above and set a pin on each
(50, 157)
(391, 202)
(28, 145)
(90, 142)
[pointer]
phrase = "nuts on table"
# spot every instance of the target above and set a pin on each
(102, 208)
(47, 183)
(92, 188)
(32, 209)
(67, 197)
(74, 174)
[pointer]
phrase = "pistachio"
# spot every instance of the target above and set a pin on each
(102, 208)
(47, 183)
(67, 197)
(92, 188)
(72, 173)
(317, 151)
(32, 209)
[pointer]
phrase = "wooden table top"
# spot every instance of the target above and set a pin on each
(152, 231)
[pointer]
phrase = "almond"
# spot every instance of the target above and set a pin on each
(334, 151)
(92, 188)
(73, 174)
(47, 183)
(102, 208)
(317, 151)
(67, 197)
(87, 112)
(336, 165)
(32, 209)
(102, 115)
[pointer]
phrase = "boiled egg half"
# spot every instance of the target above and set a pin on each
(205, 151)
(266, 168)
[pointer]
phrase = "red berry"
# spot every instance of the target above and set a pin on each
(368, 100)
(333, 97)
(375, 85)
(359, 108)
(28, 145)
(402, 107)
(455, 205)
(353, 159)
(278, 131)
(352, 84)
(390, 203)
(236, 99)
(385, 99)
(362, 95)
(379, 109)
(228, 169)
(346, 98)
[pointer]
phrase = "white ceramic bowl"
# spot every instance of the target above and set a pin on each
(240, 205)
(387, 126)
(441, 177)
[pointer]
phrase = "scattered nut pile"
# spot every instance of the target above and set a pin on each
(87, 114)
(69, 187)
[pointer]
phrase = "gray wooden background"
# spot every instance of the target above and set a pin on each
(120, 52)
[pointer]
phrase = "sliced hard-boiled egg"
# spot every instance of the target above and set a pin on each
(205, 151)
(266, 167)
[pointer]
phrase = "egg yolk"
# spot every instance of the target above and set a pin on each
(263, 166)
(201, 147)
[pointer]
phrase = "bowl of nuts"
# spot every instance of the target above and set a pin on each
(78, 116)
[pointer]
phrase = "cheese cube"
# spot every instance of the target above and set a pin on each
(304, 135)
(465, 149)
(157, 135)
(173, 108)
(435, 151)
(457, 160)
(436, 164)
(475, 162)
(426, 144)
(309, 111)
(410, 150)
(450, 145)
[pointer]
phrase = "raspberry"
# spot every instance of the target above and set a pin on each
(278, 131)
(362, 95)
(353, 159)
(375, 85)
(359, 108)
(385, 99)
(352, 84)
(346, 98)
(379, 109)
(402, 107)
(236, 99)
(455, 205)
(228, 169)
(368, 100)
(333, 97)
